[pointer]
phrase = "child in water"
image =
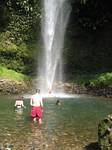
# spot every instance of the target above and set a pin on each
(19, 103)
(58, 103)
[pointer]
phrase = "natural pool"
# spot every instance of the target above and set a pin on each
(71, 126)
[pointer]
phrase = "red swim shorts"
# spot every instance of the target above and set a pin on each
(36, 112)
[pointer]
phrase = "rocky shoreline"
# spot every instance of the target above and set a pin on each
(99, 90)
(105, 133)
(8, 86)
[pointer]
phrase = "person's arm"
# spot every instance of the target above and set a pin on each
(41, 103)
(15, 104)
(31, 102)
(22, 104)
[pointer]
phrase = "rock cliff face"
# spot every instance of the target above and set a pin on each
(105, 133)
(105, 91)
(88, 51)
(18, 87)
(8, 86)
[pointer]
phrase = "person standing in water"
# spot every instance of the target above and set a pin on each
(19, 103)
(37, 106)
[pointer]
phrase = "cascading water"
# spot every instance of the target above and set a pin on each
(54, 20)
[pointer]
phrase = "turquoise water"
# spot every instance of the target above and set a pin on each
(70, 126)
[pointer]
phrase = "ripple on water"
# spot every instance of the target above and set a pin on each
(73, 126)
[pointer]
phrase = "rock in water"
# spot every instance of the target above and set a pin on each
(105, 133)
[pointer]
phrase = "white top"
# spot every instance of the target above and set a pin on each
(19, 103)
(36, 100)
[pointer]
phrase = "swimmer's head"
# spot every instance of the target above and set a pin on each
(37, 90)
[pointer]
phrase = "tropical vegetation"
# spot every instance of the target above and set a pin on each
(88, 41)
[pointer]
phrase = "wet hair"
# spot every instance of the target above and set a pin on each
(37, 90)
(19, 98)
(57, 102)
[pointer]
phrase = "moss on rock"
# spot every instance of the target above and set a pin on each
(105, 133)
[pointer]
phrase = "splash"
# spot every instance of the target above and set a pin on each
(54, 22)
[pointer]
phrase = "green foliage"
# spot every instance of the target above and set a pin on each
(94, 79)
(4, 17)
(20, 27)
(24, 20)
(91, 14)
(11, 74)
(17, 57)
(103, 78)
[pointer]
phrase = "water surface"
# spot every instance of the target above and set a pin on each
(70, 126)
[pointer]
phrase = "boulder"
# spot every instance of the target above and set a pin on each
(8, 86)
(105, 133)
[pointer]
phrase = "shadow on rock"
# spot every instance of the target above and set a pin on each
(92, 146)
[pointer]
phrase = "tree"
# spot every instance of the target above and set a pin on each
(24, 19)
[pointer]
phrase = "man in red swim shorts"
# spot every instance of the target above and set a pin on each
(37, 106)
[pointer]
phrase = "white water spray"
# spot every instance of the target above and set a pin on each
(54, 21)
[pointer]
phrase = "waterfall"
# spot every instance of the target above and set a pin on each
(55, 14)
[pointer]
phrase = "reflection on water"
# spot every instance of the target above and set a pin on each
(69, 126)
